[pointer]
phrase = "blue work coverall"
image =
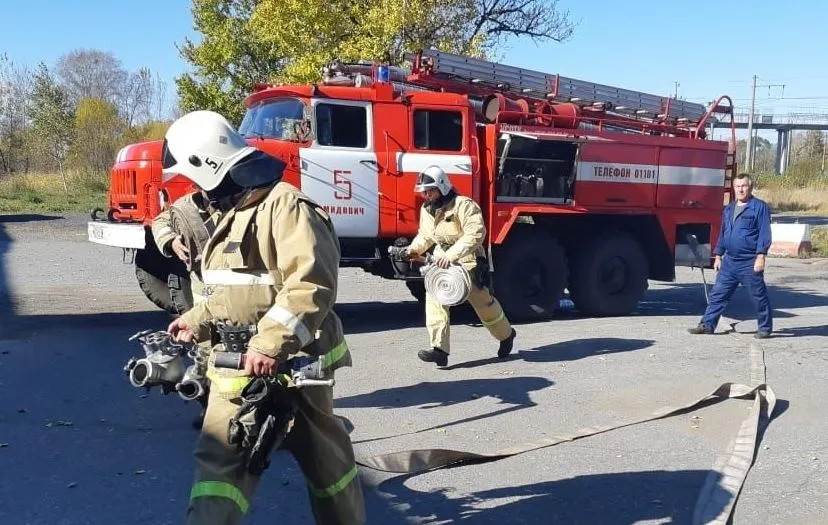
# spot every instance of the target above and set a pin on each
(740, 240)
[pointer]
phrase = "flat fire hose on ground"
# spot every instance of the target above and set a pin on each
(721, 488)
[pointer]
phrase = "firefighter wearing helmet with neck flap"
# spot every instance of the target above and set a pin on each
(453, 225)
(270, 276)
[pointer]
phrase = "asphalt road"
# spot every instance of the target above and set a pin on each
(80, 445)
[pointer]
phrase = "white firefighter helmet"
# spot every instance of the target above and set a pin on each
(433, 177)
(202, 146)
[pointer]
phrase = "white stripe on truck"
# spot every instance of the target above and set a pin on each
(417, 162)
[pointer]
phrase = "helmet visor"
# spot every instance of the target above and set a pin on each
(426, 181)
(167, 158)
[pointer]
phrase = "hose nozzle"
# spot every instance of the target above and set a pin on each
(191, 386)
(148, 372)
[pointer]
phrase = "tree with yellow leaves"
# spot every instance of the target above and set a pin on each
(250, 41)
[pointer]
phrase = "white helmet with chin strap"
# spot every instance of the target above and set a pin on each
(202, 146)
(433, 177)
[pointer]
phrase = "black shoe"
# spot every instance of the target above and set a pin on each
(435, 355)
(506, 345)
(761, 335)
(700, 329)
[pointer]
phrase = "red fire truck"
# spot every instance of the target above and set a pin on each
(585, 187)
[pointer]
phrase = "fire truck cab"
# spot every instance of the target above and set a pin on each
(584, 187)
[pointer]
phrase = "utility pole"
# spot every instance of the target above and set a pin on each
(677, 85)
(749, 144)
(824, 148)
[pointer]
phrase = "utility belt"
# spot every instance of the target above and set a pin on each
(235, 338)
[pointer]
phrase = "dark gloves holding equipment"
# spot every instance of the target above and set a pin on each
(263, 421)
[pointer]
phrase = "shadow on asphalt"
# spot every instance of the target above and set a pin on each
(428, 394)
(28, 217)
(513, 392)
(6, 303)
(678, 299)
(566, 351)
(611, 499)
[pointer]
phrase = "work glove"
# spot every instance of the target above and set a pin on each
(262, 422)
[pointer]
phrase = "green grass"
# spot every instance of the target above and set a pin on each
(802, 189)
(43, 192)
(819, 241)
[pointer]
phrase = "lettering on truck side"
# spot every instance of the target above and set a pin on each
(610, 172)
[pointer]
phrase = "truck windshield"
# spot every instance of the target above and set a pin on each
(281, 118)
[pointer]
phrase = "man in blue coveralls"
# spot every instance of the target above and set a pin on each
(740, 258)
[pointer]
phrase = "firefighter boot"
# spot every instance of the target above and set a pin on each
(506, 345)
(435, 355)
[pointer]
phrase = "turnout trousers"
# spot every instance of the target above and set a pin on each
(485, 305)
(731, 275)
(223, 487)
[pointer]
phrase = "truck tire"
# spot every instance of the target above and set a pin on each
(608, 276)
(417, 289)
(181, 292)
(530, 273)
(155, 273)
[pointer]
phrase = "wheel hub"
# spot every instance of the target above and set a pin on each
(613, 275)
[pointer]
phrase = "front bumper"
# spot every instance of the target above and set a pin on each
(117, 234)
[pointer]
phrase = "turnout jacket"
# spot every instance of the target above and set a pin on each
(162, 229)
(273, 262)
(457, 230)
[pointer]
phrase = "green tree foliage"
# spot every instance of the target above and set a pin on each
(52, 118)
(227, 61)
(152, 130)
(249, 41)
(764, 153)
(809, 145)
(98, 130)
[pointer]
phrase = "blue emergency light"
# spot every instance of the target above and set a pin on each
(383, 74)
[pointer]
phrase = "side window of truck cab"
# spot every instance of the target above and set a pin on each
(438, 129)
(341, 125)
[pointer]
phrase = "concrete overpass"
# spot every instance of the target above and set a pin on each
(784, 125)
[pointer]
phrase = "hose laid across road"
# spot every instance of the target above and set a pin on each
(449, 286)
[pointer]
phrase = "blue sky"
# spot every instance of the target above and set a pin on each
(709, 47)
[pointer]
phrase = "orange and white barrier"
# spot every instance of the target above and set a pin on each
(790, 240)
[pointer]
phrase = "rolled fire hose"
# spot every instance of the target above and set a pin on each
(449, 286)
(187, 221)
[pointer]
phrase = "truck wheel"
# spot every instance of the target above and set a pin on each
(155, 273)
(417, 289)
(609, 276)
(530, 274)
(181, 292)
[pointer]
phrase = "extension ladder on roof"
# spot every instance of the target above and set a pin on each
(455, 70)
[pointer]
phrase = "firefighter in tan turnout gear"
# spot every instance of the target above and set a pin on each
(181, 231)
(271, 265)
(453, 224)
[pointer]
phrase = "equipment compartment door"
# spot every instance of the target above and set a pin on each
(691, 179)
(618, 175)
(339, 170)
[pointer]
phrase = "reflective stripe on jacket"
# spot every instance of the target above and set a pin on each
(273, 262)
